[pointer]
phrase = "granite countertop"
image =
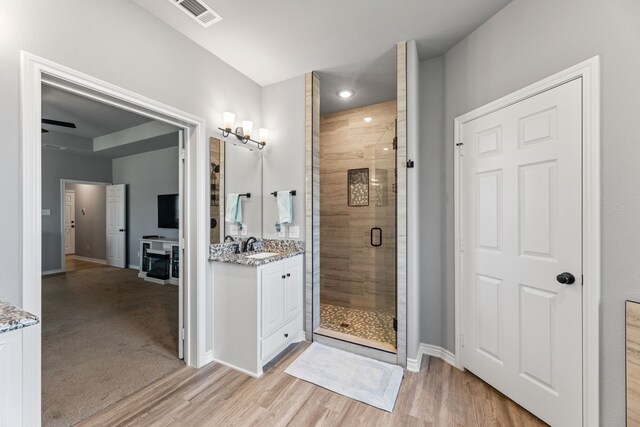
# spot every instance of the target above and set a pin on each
(225, 252)
(12, 317)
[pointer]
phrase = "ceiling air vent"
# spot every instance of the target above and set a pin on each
(198, 10)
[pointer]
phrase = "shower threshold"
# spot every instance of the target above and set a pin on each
(372, 329)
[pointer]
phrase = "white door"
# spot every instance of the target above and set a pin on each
(69, 222)
(521, 227)
(116, 225)
(181, 299)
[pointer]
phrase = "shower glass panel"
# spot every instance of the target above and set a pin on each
(358, 226)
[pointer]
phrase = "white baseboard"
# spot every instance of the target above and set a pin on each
(96, 260)
(134, 267)
(48, 272)
(413, 365)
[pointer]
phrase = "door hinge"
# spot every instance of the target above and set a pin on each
(182, 154)
(182, 243)
(182, 334)
(460, 147)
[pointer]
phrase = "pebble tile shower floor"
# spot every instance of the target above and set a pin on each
(370, 325)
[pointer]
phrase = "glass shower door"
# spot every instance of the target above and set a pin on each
(383, 232)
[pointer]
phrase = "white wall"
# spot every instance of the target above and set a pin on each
(283, 106)
(56, 165)
(528, 41)
(147, 175)
(121, 43)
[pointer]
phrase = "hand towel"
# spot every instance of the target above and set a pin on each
(285, 207)
(233, 212)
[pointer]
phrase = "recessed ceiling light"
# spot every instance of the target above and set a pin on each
(345, 93)
(368, 119)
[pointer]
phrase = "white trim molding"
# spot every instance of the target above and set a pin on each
(414, 365)
(589, 72)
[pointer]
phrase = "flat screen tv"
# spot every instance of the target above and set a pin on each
(168, 211)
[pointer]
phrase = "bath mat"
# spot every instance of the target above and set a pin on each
(357, 377)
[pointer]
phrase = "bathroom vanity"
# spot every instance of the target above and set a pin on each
(257, 303)
(12, 322)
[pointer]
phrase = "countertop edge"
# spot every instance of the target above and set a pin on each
(248, 262)
(13, 318)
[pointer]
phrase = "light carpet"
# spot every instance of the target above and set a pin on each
(105, 334)
(357, 377)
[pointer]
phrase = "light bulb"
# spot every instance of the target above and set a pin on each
(228, 119)
(264, 135)
(247, 128)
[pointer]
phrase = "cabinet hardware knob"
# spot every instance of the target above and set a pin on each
(283, 276)
(286, 335)
(288, 274)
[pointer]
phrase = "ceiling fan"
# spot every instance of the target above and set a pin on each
(57, 123)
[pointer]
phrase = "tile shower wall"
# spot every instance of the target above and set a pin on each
(355, 274)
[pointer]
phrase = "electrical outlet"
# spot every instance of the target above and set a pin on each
(233, 229)
(283, 231)
(245, 230)
(294, 232)
(46, 212)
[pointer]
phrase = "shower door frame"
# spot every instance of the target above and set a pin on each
(312, 237)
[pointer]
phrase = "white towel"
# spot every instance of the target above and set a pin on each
(285, 207)
(233, 212)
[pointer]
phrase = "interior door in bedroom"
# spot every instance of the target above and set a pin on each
(69, 222)
(521, 251)
(116, 225)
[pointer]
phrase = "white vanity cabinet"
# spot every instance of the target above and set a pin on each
(11, 393)
(257, 312)
(281, 322)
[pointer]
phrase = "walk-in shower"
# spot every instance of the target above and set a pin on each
(358, 225)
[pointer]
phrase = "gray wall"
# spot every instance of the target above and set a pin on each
(56, 165)
(121, 43)
(413, 199)
(432, 200)
(528, 41)
(147, 175)
(91, 226)
(284, 159)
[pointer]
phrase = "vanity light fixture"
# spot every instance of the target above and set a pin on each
(345, 93)
(243, 133)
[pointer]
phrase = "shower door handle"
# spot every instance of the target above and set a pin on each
(379, 230)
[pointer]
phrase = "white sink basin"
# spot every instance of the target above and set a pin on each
(263, 255)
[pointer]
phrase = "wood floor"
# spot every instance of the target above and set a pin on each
(439, 395)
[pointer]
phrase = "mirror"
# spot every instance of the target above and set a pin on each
(235, 168)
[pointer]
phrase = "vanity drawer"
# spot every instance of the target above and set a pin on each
(280, 339)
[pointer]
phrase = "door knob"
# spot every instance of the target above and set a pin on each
(566, 278)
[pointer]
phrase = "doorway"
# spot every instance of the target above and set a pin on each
(527, 245)
(34, 72)
(83, 224)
